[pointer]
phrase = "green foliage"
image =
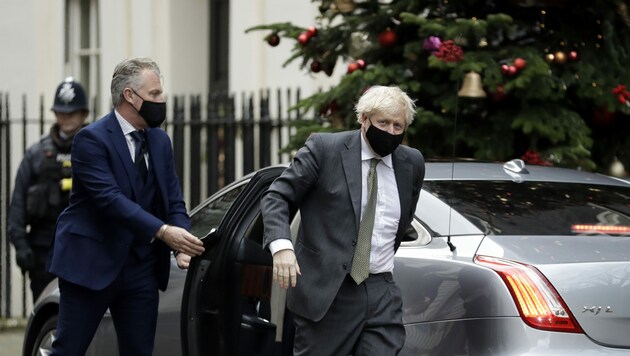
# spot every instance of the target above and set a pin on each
(562, 108)
(304, 128)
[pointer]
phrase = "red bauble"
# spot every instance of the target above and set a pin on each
(311, 31)
(499, 95)
(387, 38)
(316, 66)
(573, 56)
(303, 38)
(512, 70)
(353, 66)
(505, 69)
(520, 63)
(361, 63)
(273, 40)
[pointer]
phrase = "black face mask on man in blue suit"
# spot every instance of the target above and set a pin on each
(152, 112)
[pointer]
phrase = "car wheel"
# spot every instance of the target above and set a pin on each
(45, 337)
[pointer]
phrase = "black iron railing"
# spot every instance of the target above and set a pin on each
(216, 139)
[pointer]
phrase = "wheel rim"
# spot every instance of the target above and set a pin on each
(45, 346)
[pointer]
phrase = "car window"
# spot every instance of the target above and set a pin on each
(416, 236)
(527, 208)
(210, 216)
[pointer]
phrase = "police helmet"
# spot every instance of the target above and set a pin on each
(70, 97)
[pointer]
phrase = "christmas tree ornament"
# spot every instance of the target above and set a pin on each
(311, 31)
(273, 39)
(617, 169)
(432, 44)
(512, 71)
(622, 94)
(387, 38)
(520, 63)
(499, 94)
(359, 43)
(449, 52)
(533, 157)
(482, 43)
(361, 63)
(353, 66)
(622, 9)
(505, 69)
(573, 56)
(303, 38)
(549, 57)
(472, 86)
(345, 6)
(560, 57)
(316, 66)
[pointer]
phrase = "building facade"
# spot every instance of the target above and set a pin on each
(200, 45)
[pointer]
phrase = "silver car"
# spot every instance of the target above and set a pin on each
(503, 259)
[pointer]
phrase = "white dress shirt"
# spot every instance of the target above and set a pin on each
(127, 129)
(387, 216)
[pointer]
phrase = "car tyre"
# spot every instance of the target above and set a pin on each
(45, 337)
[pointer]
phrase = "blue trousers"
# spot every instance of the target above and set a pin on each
(132, 300)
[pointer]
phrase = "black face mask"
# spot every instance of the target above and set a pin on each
(381, 141)
(152, 112)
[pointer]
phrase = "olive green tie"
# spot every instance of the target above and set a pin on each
(361, 261)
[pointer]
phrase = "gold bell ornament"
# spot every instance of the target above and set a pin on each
(472, 86)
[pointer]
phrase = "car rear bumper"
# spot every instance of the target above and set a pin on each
(497, 336)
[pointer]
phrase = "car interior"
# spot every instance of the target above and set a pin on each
(232, 307)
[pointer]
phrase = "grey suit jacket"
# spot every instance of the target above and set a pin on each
(324, 182)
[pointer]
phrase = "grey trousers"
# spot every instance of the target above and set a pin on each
(363, 320)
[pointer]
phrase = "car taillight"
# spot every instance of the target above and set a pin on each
(601, 229)
(538, 303)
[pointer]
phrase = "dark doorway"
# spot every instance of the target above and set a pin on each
(219, 44)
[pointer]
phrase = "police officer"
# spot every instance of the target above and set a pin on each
(43, 184)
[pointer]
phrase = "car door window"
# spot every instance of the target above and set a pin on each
(210, 215)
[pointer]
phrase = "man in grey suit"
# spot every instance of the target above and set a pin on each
(356, 192)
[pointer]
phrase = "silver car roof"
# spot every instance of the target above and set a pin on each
(496, 171)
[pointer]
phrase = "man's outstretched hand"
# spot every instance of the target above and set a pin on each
(285, 268)
(181, 240)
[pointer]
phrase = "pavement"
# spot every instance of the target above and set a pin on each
(11, 336)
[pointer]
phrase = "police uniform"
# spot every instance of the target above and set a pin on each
(42, 190)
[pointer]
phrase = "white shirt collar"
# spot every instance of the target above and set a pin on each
(366, 152)
(124, 124)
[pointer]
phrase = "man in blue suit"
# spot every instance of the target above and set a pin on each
(112, 244)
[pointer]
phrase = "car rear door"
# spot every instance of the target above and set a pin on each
(226, 299)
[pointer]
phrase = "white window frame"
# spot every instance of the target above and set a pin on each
(82, 47)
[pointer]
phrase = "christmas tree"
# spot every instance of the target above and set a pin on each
(494, 80)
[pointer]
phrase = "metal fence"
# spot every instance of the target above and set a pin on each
(216, 138)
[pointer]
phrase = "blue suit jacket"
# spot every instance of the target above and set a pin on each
(95, 233)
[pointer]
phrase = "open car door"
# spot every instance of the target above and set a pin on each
(227, 299)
